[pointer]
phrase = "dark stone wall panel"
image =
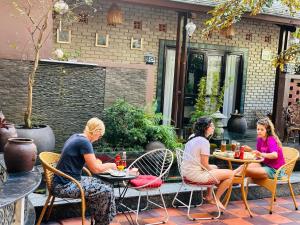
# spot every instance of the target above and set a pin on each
(125, 83)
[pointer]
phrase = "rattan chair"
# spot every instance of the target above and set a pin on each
(290, 155)
(49, 161)
(180, 154)
(155, 163)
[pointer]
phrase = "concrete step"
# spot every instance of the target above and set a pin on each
(68, 208)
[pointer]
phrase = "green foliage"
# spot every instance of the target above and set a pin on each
(131, 126)
(229, 12)
(209, 104)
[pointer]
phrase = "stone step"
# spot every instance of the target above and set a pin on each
(68, 208)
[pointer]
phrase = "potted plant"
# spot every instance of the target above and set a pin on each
(42, 135)
(131, 128)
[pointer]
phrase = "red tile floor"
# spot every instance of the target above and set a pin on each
(283, 213)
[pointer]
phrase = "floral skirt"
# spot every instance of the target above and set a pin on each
(99, 197)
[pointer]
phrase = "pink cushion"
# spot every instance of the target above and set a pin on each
(211, 181)
(145, 179)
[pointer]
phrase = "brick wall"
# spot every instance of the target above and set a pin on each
(260, 74)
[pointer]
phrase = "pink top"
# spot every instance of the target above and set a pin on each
(267, 146)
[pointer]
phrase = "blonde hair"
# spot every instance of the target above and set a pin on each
(94, 124)
(267, 123)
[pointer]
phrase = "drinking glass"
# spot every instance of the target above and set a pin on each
(223, 146)
(233, 145)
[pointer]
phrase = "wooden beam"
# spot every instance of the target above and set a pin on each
(179, 6)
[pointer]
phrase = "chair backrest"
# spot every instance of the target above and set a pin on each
(49, 161)
(291, 156)
(156, 162)
(292, 115)
(179, 156)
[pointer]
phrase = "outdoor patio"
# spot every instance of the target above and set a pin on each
(235, 214)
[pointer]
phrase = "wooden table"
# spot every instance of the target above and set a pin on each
(237, 179)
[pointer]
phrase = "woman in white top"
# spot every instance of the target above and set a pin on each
(196, 154)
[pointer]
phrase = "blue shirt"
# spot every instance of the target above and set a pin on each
(72, 160)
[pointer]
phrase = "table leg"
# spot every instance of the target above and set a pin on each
(20, 209)
(120, 205)
(238, 180)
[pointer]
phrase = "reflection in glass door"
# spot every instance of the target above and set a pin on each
(194, 74)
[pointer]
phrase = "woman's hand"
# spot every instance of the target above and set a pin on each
(257, 153)
(248, 148)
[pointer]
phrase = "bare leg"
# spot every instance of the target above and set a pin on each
(257, 172)
(225, 177)
(238, 170)
(209, 190)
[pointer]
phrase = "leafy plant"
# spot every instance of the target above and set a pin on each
(3, 123)
(37, 31)
(131, 126)
(208, 104)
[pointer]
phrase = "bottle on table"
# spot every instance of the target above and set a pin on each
(124, 159)
(242, 150)
(237, 151)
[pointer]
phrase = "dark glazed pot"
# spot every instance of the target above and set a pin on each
(237, 123)
(5, 134)
(19, 155)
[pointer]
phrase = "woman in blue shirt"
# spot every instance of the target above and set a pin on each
(77, 152)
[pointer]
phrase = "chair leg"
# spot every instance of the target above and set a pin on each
(204, 218)
(138, 209)
(292, 193)
(165, 208)
(176, 199)
(272, 199)
(50, 208)
(189, 206)
(44, 210)
(83, 214)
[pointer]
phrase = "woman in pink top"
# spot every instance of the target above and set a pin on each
(270, 148)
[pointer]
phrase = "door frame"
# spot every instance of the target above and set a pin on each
(164, 44)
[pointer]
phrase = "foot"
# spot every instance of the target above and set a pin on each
(221, 206)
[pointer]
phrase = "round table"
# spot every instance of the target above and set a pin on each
(237, 179)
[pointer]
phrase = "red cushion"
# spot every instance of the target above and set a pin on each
(145, 179)
(212, 181)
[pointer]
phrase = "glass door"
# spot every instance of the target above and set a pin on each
(196, 70)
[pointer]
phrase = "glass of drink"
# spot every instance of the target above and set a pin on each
(223, 146)
(233, 145)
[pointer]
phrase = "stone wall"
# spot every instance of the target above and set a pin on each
(260, 74)
(66, 95)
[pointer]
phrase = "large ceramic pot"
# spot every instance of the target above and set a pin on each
(154, 145)
(237, 123)
(19, 155)
(42, 136)
(5, 134)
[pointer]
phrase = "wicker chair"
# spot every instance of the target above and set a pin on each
(49, 161)
(292, 122)
(155, 164)
(290, 155)
(193, 185)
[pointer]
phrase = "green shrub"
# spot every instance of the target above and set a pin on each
(131, 127)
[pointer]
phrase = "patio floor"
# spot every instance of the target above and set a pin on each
(283, 213)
